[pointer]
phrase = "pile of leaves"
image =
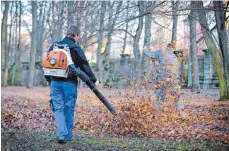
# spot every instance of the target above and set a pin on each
(142, 119)
(22, 113)
(138, 116)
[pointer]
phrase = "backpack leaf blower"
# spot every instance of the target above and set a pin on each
(58, 62)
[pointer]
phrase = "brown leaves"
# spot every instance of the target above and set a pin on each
(22, 113)
(138, 116)
(202, 119)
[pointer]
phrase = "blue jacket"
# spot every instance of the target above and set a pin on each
(78, 58)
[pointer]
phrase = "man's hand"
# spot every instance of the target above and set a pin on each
(97, 82)
(48, 83)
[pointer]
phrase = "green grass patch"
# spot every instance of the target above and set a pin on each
(84, 140)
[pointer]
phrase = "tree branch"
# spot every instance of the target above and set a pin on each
(125, 31)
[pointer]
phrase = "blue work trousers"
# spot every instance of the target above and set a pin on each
(63, 100)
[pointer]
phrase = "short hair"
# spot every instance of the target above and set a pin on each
(73, 30)
(170, 45)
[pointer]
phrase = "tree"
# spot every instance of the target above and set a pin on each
(60, 20)
(216, 54)
(100, 40)
(127, 25)
(16, 54)
(69, 19)
(148, 7)
(223, 38)
(194, 50)
(175, 6)
(106, 54)
(41, 17)
(33, 46)
(4, 51)
(137, 36)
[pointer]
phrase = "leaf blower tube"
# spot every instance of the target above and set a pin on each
(92, 86)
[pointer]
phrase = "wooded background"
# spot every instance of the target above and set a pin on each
(127, 27)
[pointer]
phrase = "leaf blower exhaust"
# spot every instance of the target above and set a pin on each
(92, 86)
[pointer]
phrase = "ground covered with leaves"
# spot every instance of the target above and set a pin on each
(202, 125)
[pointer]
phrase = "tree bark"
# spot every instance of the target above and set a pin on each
(39, 34)
(147, 36)
(60, 21)
(223, 38)
(148, 22)
(137, 36)
(175, 6)
(194, 51)
(127, 25)
(9, 51)
(4, 51)
(217, 58)
(106, 54)
(99, 59)
(33, 46)
(15, 66)
(70, 18)
(18, 60)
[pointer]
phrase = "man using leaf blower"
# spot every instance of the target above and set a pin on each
(63, 63)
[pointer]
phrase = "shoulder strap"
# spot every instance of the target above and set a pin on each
(61, 46)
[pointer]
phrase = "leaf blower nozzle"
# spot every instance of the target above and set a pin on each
(92, 86)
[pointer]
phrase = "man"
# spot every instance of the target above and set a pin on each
(63, 91)
(166, 79)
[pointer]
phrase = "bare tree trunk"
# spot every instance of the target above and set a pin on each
(149, 5)
(194, 51)
(18, 60)
(70, 18)
(33, 46)
(111, 24)
(39, 34)
(106, 55)
(53, 22)
(175, 6)
(17, 70)
(79, 15)
(215, 53)
(223, 38)
(4, 51)
(99, 59)
(127, 25)
(15, 49)
(61, 21)
(42, 31)
(136, 49)
(10, 44)
(9, 51)
(148, 22)
(137, 36)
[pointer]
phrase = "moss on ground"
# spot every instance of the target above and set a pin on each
(87, 141)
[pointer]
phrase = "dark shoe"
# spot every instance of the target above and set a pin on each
(61, 141)
(69, 140)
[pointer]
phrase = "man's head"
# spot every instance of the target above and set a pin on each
(74, 32)
(171, 46)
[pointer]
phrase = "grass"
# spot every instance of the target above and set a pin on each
(87, 141)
